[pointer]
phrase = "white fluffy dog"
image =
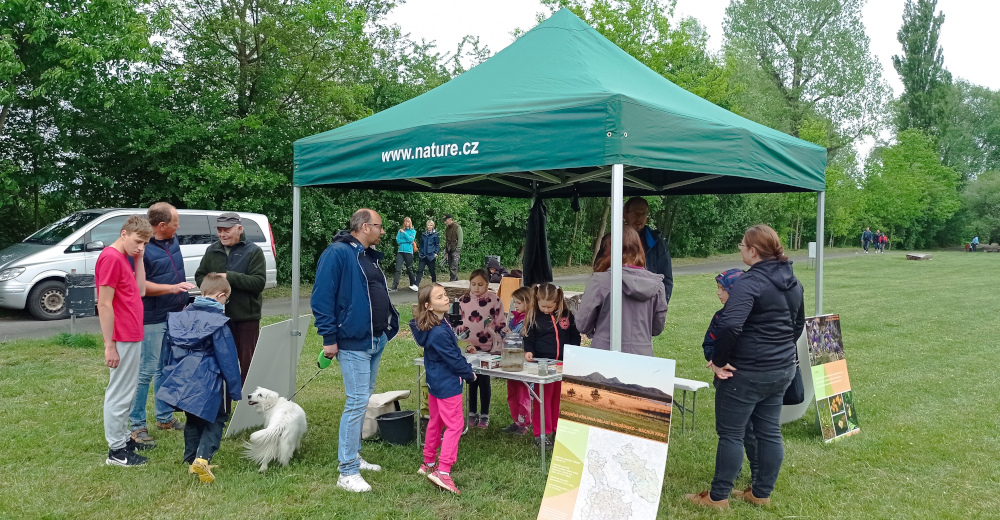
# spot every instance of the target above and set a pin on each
(284, 425)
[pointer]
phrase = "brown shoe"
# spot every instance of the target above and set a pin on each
(174, 424)
(747, 494)
(703, 499)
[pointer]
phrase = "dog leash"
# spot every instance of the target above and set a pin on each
(306, 383)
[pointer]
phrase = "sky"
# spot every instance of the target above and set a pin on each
(967, 35)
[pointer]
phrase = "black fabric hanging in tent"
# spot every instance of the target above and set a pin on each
(537, 264)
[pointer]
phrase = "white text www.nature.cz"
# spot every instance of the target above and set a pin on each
(434, 150)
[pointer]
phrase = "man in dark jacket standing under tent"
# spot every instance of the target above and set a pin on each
(656, 249)
(453, 238)
(355, 318)
(242, 263)
(166, 292)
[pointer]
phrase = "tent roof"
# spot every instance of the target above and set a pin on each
(551, 113)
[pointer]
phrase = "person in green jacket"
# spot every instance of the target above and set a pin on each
(242, 263)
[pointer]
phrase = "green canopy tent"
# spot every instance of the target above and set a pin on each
(560, 112)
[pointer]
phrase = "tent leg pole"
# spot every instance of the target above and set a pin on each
(820, 233)
(617, 207)
(293, 338)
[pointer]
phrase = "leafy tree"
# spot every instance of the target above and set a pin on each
(981, 199)
(53, 57)
(812, 62)
(908, 191)
(971, 140)
(921, 68)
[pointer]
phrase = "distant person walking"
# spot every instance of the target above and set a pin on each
(453, 238)
(430, 246)
(405, 237)
(241, 262)
(866, 238)
(975, 242)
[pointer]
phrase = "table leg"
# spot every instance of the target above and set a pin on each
(541, 415)
(420, 443)
(684, 400)
(694, 407)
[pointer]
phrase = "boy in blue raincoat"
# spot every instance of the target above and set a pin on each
(202, 367)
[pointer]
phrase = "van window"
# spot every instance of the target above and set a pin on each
(109, 230)
(64, 227)
(253, 231)
(194, 229)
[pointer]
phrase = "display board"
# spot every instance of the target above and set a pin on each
(611, 441)
(834, 398)
(269, 369)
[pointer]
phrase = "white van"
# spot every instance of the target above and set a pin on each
(33, 272)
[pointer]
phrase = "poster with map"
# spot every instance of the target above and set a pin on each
(611, 441)
(834, 398)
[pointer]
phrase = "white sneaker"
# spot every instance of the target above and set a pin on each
(368, 466)
(353, 483)
(414, 288)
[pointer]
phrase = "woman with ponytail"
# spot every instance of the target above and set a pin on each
(754, 359)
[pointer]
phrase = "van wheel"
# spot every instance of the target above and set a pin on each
(47, 301)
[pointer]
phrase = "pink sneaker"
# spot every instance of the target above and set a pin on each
(484, 421)
(443, 481)
(425, 468)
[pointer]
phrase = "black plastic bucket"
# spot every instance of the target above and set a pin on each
(396, 427)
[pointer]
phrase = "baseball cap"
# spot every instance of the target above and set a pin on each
(227, 220)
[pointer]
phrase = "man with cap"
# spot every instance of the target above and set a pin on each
(453, 237)
(242, 263)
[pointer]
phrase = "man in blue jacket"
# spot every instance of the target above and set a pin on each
(350, 301)
(166, 292)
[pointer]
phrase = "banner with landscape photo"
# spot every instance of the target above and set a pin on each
(611, 443)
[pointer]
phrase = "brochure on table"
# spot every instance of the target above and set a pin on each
(834, 399)
(611, 442)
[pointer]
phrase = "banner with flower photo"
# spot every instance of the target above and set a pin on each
(834, 398)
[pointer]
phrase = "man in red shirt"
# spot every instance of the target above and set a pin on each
(120, 288)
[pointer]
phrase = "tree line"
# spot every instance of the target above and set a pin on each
(122, 103)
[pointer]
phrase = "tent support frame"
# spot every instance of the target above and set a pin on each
(617, 221)
(294, 332)
(820, 234)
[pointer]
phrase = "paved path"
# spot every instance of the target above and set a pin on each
(28, 327)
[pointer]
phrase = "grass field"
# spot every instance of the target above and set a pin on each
(921, 345)
(618, 412)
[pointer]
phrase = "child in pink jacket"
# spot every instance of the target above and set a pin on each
(482, 326)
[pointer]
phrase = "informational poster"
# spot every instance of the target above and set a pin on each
(611, 440)
(834, 399)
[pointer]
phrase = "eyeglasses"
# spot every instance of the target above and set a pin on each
(379, 225)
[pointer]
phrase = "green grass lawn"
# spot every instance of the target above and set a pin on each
(921, 342)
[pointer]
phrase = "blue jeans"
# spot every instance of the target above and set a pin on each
(360, 370)
(150, 370)
(749, 397)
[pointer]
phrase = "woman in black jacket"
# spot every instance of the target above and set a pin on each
(754, 360)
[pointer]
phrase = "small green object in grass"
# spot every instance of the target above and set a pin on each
(322, 361)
